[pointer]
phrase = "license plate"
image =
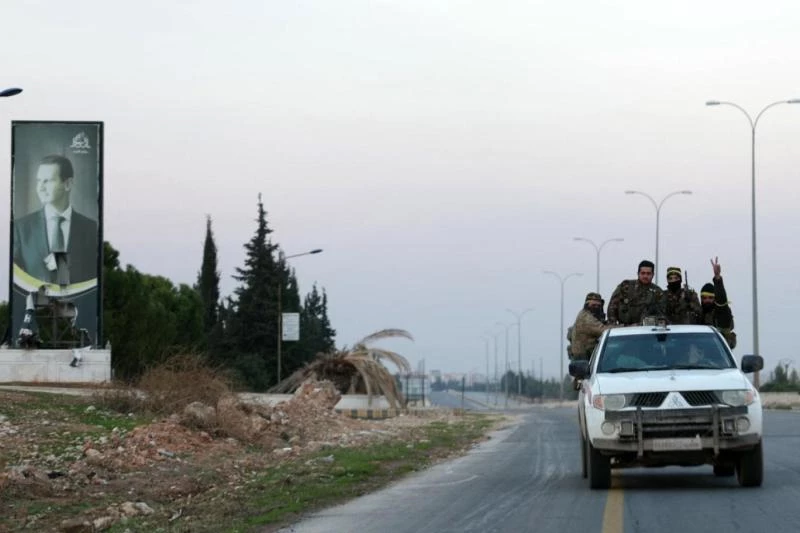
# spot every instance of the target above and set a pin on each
(666, 445)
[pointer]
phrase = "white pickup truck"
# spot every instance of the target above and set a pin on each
(668, 395)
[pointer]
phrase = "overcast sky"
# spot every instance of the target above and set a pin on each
(442, 153)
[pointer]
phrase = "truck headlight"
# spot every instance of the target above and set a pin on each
(609, 402)
(737, 397)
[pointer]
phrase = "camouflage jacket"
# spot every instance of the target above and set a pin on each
(720, 316)
(585, 332)
(632, 301)
(683, 306)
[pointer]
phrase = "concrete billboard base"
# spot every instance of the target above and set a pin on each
(53, 366)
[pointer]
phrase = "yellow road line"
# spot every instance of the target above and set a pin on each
(613, 513)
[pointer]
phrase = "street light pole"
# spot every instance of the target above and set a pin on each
(494, 337)
(658, 206)
(562, 280)
(495, 367)
(598, 249)
(753, 124)
(519, 316)
(505, 372)
(280, 311)
(486, 344)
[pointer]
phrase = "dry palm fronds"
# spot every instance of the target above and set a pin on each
(359, 369)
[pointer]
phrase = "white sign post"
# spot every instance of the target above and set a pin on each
(291, 327)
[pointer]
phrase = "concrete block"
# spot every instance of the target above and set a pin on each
(53, 366)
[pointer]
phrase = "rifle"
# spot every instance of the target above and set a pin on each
(687, 292)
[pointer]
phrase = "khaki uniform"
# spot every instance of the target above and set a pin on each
(632, 301)
(585, 333)
(683, 307)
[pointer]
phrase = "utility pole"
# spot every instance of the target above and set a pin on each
(657, 206)
(494, 337)
(486, 344)
(597, 250)
(561, 354)
(541, 377)
(280, 310)
(753, 124)
(519, 316)
(506, 371)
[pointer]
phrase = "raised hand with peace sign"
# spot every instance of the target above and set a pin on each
(716, 267)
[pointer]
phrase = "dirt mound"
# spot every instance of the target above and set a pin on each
(307, 418)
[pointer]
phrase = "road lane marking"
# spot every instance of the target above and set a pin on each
(613, 513)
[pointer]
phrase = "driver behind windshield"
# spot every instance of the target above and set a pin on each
(701, 355)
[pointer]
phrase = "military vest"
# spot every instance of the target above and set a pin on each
(679, 307)
(637, 301)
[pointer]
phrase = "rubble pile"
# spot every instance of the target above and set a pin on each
(44, 455)
(306, 421)
(161, 441)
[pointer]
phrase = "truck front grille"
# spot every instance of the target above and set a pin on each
(647, 399)
(697, 398)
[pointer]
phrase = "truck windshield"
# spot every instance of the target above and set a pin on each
(664, 351)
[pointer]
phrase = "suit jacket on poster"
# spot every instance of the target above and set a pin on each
(31, 247)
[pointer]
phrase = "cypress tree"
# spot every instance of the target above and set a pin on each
(315, 330)
(208, 280)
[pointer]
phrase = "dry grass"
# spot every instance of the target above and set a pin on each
(181, 380)
(169, 387)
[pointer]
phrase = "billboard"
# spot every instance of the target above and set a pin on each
(56, 233)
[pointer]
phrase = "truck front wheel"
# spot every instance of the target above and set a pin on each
(750, 467)
(599, 468)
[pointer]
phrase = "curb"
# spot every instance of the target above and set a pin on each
(380, 414)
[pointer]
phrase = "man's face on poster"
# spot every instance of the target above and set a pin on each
(51, 188)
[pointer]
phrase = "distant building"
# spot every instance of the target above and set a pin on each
(453, 376)
(476, 378)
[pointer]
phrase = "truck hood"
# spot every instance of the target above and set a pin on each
(671, 380)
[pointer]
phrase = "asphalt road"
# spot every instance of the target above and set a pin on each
(526, 478)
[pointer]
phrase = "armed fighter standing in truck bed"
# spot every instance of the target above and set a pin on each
(683, 305)
(635, 299)
(716, 309)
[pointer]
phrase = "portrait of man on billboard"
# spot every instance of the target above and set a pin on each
(56, 243)
(56, 237)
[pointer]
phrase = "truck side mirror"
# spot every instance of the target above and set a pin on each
(752, 363)
(579, 369)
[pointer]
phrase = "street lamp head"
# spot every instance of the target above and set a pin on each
(794, 101)
(12, 91)
(312, 252)
(686, 192)
(631, 192)
(713, 102)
